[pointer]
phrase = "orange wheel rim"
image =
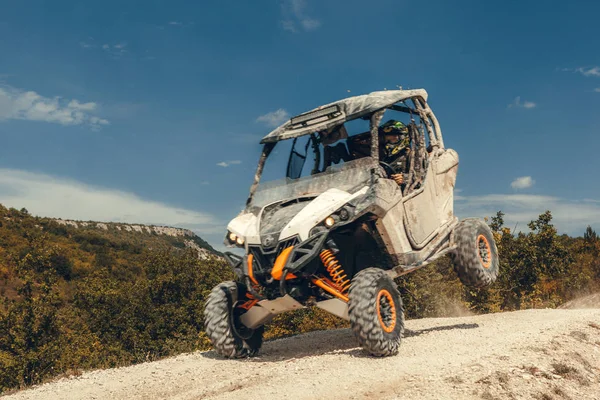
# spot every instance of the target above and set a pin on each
(484, 251)
(386, 311)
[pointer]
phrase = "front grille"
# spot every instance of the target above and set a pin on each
(262, 261)
(266, 259)
(286, 243)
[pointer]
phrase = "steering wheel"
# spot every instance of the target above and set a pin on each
(388, 168)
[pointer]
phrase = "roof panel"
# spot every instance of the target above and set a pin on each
(351, 107)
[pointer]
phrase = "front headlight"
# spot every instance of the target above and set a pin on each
(234, 239)
(341, 215)
(329, 221)
(344, 214)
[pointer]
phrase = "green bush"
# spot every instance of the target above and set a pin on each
(82, 299)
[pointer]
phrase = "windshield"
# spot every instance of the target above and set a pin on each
(339, 157)
(312, 154)
(348, 176)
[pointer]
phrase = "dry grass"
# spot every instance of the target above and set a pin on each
(502, 377)
(581, 336)
(562, 369)
(559, 392)
(535, 371)
(457, 380)
(568, 372)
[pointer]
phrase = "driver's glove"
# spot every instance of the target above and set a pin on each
(398, 178)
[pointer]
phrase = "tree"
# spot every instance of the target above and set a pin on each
(590, 235)
(30, 341)
(497, 222)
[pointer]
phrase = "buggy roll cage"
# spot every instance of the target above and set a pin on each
(371, 107)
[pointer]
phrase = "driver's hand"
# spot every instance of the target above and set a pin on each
(398, 178)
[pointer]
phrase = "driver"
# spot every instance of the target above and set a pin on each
(395, 148)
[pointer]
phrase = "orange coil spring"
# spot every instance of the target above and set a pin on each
(335, 270)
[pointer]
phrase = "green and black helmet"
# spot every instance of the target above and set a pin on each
(393, 128)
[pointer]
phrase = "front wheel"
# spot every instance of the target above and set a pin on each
(229, 336)
(376, 312)
(476, 257)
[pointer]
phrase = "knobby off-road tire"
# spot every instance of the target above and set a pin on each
(476, 257)
(221, 321)
(376, 312)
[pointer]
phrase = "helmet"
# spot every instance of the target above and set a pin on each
(393, 127)
(393, 124)
(401, 141)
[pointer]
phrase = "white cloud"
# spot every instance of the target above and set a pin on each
(522, 182)
(585, 71)
(517, 103)
(50, 196)
(177, 24)
(88, 44)
(29, 105)
(116, 50)
(597, 90)
(569, 216)
(226, 164)
(289, 25)
(593, 71)
(310, 24)
(275, 118)
(295, 18)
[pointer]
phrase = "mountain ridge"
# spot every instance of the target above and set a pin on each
(194, 242)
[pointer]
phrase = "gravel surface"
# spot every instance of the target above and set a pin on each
(532, 354)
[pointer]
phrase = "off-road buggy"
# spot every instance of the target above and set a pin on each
(336, 231)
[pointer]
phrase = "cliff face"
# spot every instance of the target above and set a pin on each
(182, 237)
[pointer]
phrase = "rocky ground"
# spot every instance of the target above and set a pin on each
(533, 354)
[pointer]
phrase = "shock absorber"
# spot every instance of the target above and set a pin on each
(335, 270)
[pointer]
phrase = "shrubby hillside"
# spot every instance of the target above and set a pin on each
(77, 296)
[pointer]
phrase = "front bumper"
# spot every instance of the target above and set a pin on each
(286, 262)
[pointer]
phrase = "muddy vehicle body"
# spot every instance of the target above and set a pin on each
(336, 230)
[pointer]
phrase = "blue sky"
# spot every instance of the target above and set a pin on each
(152, 111)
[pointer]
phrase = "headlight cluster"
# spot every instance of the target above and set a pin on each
(341, 215)
(235, 239)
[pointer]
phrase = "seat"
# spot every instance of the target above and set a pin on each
(359, 146)
(335, 154)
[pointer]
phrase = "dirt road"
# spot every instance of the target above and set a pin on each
(539, 354)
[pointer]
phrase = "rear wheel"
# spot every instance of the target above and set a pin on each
(376, 312)
(476, 256)
(229, 336)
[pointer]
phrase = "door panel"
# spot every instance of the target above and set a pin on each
(421, 213)
(433, 206)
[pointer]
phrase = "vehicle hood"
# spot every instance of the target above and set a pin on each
(291, 218)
